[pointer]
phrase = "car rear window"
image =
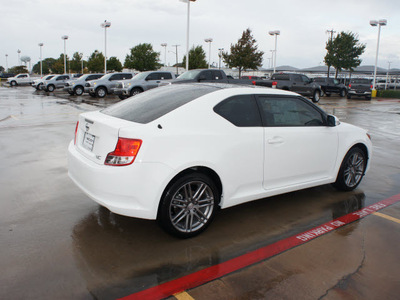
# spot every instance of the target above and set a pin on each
(153, 104)
(361, 81)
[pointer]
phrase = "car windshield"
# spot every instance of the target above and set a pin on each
(189, 75)
(49, 77)
(151, 105)
(140, 76)
(106, 76)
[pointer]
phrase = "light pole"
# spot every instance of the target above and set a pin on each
(331, 32)
(187, 31)
(65, 38)
(41, 67)
(379, 23)
(387, 75)
(275, 33)
(165, 53)
(105, 25)
(81, 54)
(19, 59)
(176, 53)
(220, 57)
(209, 41)
(7, 62)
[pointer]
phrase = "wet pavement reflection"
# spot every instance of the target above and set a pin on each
(57, 243)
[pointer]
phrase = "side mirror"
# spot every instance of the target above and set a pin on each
(332, 121)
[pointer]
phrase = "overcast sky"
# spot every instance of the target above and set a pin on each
(303, 25)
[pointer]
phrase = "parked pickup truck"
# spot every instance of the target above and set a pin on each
(37, 83)
(294, 82)
(360, 87)
(77, 86)
(106, 84)
(20, 79)
(207, 75)
(331, 85)
(141, 82)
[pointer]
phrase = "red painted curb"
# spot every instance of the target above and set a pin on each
(208, 274)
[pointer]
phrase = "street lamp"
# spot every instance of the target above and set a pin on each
(19, 59)
(275, 33)
(65, 38)
(176, 53)
(209, 41)
(187, 32)
(165, 53)
(41, 67)
(220, 57)
(81, 54)
(379, 23)
(105, 25)
(7, 62)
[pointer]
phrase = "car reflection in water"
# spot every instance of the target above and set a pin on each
(119, 255)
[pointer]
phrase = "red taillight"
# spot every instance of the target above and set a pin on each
(369, 136)
(371, 86)
(76, 131)
(125, 152)
(253, 82)
(349, 85)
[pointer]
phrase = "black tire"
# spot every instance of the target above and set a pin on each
(367, 97)
(92, 94)
(352, 170)
(38, 87)
(71, 93)
(181, 213)
(78, 90)
(348, 96)
(323, 93)
(135, 91)
(342, 93)
(122, 97)
(101, 92)
(13, 83)
(51, 88)
(328, 94)
(316, 96)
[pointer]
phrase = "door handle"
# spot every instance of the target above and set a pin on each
(275, 140)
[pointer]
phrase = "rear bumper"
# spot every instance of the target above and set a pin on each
(133, 190)
(359, 93)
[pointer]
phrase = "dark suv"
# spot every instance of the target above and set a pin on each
(360, 87)
(331, 85)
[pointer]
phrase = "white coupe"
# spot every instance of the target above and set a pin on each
(179, 152)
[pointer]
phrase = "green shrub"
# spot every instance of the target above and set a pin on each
(389, 93)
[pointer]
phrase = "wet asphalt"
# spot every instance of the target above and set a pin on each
(56, 243)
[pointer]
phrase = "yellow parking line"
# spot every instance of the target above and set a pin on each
(183, 296)
(387, 217)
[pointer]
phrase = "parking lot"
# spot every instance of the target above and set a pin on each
(56, 243)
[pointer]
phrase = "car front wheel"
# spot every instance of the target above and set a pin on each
(135, 91)
(316, 96)
(188, 206)
(78, 90)
(101, 92)
(50, 88)
(352, 170)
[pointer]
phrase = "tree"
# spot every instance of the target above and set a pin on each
(58, 65)
(2, 69)
(18, 70)
(244, 54)
(343, 52)
(96, 62)
(76, 62)
(142, 58)
(197, 58)
(47, 65)
(113, 64)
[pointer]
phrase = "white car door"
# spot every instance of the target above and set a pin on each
(299, 147)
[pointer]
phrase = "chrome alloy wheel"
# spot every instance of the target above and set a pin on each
(191, 207)
(354, 169)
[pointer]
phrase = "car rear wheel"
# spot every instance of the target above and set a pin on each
(71, 93)
(101, 92)
(316, 96)
(92, 94)
(78, 90)
(352, 170)
(135, 91)
(342, 93)
(367, 97)
(188, 205)
(50, 88)
(38, 86)
(122, 97)
(348, 96)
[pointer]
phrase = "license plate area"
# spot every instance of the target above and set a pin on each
(88, 141)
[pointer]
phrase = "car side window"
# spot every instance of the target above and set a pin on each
(305, 78)
(206, 75)
(126, 76)
(241, 111)
(59, 78)
(217, 75)
(288, 112)
(164, 76)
